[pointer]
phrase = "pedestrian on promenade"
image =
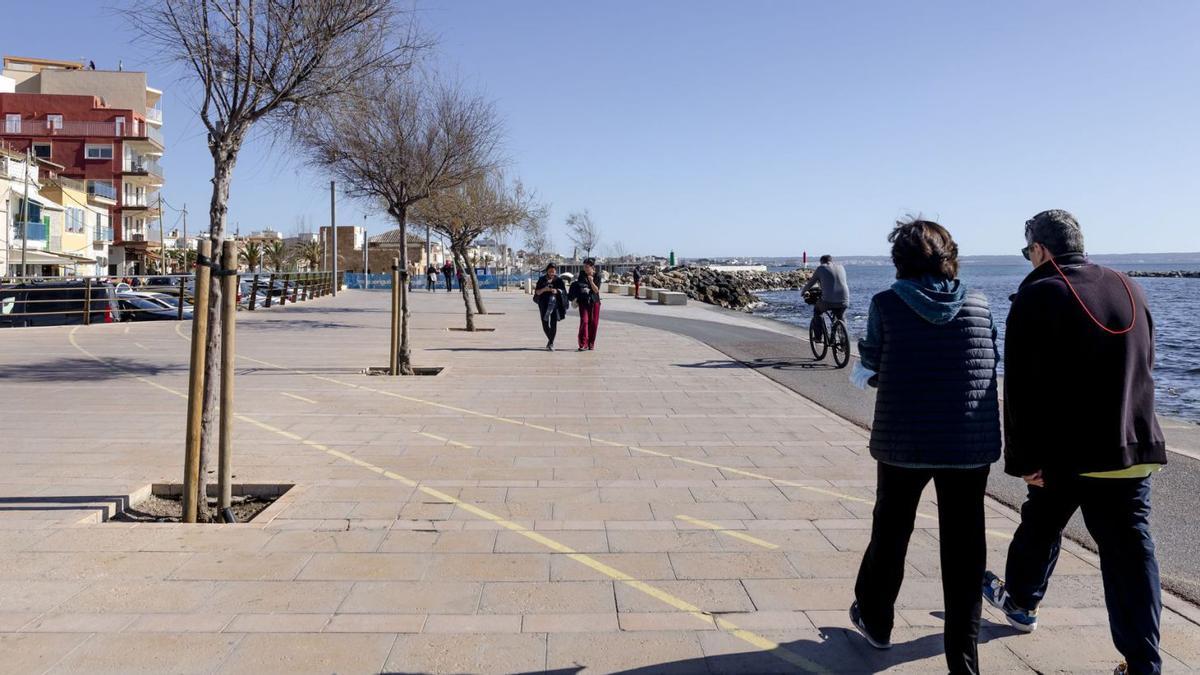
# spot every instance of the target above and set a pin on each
(637, 282)
(458, 271)
(550, 294)
(586, 293)
(1080, 428)
(930, 348)
(448, 272)
(431, 274)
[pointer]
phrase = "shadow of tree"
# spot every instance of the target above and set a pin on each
(273, 324)
(84, 369)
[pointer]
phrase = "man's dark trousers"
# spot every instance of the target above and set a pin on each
(1117, 514)
(963, 553)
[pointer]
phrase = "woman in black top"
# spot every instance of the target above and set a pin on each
(550, 294)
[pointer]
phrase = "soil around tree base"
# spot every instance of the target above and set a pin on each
(169, 509)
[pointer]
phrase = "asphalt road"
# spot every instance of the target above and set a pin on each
(788, 360)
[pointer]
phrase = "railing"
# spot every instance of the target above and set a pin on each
(154, 115)
(71, 183)
(145, 200)
(102, 190)
(74, 128)
(32, 232)
(53, 301)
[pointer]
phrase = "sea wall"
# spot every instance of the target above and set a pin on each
(1173, 274)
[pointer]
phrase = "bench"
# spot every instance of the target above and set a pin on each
(647, 293)
(672, 298)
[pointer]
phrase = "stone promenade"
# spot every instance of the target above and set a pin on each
(620, 510)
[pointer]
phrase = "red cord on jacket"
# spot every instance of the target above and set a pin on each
(1132, 302)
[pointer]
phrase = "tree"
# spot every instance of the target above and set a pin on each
(276, 254)
(538, 241)
(398, 142)
(182, 259)
(488, 205)
(582, 230)
(617, 251)
(310, 253)
(252, 255)
(261, 62)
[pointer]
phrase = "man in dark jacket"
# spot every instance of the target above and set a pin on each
(931, 348)
(550, 294)
(448, 272)
(1080, 429)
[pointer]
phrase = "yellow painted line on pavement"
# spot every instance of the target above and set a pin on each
(736, 534)
(139, 345)
(447, 441)
(139, 378)
(751, 638)
(297, 397)
(686, 460)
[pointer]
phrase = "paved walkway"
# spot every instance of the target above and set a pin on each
(523, 511)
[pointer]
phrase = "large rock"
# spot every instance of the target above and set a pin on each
(734, 290)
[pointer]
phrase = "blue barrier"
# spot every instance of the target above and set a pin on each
(383, 282)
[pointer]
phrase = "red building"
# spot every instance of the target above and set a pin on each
(115, 150)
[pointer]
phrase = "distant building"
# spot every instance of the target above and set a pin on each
(103, 128)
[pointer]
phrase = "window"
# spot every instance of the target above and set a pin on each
(74, 219)
(54, 121)
(41, 150)
(12, 123)
(98, 151)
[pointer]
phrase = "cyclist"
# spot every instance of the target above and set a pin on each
(830, 278)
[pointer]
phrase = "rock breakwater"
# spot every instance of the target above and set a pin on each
(1173, 274)
(733, 290)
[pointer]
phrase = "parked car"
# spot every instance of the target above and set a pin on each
(57, 303)
(146, 307)
(171, 301)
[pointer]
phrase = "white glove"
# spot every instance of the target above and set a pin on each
(861, 375)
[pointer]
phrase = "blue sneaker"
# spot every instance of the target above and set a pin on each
(1024, 620)
(861, 626)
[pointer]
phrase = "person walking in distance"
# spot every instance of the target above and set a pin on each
(1081, 430)
(448, 272)
(430, 277)
(931, 350)
(550, 294)
(585, 291)
(637, 282)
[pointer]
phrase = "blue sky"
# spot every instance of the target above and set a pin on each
(771, 128)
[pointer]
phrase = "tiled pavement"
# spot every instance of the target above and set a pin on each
(522, 511)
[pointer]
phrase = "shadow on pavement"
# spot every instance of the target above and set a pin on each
(760, 363)
(487, 349)
(103, 503)
(84, 369)
(292, 324)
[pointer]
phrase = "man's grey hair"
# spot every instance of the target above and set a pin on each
(826, 259)
(1055, 229)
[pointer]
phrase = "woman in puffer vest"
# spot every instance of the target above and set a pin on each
(931, 351)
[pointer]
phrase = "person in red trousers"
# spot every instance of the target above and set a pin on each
(585, 292)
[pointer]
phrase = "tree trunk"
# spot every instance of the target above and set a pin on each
(218, 208)
(461, 257)
(404, 358)
(475, 289)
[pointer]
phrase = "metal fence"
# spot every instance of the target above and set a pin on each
(65, 301)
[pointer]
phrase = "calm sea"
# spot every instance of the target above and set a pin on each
(1175, 304)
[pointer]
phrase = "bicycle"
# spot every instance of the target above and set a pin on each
(827, 330)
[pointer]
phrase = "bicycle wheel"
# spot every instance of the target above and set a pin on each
(816, 337)
(840, 341)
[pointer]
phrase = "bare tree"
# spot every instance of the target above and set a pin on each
(617, 251)
(261, 62)
(582, 230)
(538, 241)
(396, 143)
(487, 205)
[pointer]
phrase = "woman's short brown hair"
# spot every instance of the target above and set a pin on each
(923, 248)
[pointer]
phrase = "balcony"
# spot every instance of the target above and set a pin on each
(154, 115)
(104, 235)
(31, 232)
(99, 190)
(140, 202)
(70, 183)
(40, 128)
(143, 167)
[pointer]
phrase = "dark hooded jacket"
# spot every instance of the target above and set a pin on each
(933, 345)
(1078, 373)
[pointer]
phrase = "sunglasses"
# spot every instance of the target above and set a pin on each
(1028, 250)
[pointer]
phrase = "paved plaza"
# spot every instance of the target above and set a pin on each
(629, 509)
